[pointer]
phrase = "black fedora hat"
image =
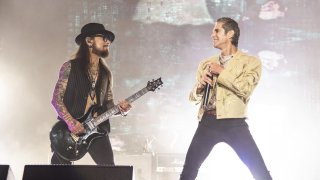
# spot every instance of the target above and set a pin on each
(92, 29)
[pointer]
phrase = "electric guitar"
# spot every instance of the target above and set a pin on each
(73, 147)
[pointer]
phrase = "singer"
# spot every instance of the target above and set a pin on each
(222, 112)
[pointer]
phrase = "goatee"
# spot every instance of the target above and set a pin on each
(104, 54)
(101, 53)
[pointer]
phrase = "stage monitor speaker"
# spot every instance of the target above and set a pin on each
(77, 172)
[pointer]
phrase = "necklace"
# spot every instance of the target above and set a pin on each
(93, 73)
(224, 59)
(93, 77)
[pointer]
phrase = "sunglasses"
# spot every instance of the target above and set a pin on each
(104, 37)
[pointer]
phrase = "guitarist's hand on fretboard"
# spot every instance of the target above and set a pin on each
(124, 107)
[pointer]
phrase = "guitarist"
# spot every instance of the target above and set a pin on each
(83, 82)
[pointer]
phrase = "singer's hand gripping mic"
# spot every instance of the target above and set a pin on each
(207, 89)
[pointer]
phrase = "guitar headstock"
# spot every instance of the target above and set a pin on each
(154, 84)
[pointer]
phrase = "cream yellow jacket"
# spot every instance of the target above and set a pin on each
(235, 84)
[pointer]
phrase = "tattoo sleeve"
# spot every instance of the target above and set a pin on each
(58, 93)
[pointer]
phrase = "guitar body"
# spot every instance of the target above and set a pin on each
(70, 146)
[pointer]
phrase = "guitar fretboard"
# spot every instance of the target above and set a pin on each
(114, 110)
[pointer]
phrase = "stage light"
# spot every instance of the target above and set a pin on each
(224, 164)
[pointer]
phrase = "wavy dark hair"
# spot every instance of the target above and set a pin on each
(228, 25)
(83, 55)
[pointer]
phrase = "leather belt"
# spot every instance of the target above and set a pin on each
(211, 112)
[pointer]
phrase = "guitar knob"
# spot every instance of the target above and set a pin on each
(84, 142)
(69, 148)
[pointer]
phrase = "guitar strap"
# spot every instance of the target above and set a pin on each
(104, 87)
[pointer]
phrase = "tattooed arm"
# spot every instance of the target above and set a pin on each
(57, 100)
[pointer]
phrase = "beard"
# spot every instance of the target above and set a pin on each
(100, 52)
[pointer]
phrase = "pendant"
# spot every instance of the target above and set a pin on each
(93, 84)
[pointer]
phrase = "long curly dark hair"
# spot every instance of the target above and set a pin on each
(83, 56)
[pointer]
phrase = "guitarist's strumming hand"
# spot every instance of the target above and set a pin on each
(76, 127)
(124, 107)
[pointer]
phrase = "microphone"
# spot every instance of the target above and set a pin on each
(207, 89)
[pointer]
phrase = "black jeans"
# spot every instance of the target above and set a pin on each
(234, 132)
(100, 151)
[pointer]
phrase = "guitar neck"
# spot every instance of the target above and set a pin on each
(114, 110)
(137, 95)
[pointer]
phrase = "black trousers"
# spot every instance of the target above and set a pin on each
(100, 151)
(234, 132)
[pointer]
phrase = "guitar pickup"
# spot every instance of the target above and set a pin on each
(90, 125)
